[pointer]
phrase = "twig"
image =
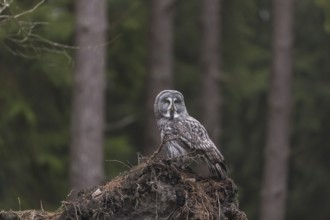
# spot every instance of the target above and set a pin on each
(41, 206)
(121, 123)
(160, 148)
(155, 153)
(29, 11)
(5, 5)
(118, 161)
(19, 203)
(193, 155)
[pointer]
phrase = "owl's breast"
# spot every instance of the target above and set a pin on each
(174, 149)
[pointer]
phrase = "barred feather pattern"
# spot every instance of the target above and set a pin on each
(189, 137)
(182, 135)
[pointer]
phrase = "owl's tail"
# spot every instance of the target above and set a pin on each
(216, 163)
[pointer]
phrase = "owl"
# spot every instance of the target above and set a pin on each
(182, 135)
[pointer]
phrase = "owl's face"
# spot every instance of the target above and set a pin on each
(170, 104)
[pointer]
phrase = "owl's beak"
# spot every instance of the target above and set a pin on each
(172, 110)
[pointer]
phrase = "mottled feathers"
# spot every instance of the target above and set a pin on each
(182, 135)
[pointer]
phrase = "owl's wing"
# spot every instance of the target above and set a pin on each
(194, 138)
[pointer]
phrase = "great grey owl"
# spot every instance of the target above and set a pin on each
(182, 135)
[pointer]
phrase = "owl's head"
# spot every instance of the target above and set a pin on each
(169, 104)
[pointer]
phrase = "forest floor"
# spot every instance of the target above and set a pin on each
(151, 190)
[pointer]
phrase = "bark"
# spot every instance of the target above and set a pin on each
(88, 95)
(274, 189)
(160, 64)
(210, 67)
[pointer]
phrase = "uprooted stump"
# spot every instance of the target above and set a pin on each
(157, 190)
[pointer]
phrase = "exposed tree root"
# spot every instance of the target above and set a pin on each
(153, 190)
(157, 190)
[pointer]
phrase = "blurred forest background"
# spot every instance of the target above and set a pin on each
(38, 58)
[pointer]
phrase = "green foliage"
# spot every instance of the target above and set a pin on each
(118, 155)
(325, 5)
(34, 114)
(309, 163)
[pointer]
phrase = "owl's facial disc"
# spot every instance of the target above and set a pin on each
(171, 109)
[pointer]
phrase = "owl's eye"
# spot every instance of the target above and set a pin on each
(166, 101)
(177, 101)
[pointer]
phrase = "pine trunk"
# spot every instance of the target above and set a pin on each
(160, 64)
(88, 95)
(274, 190)
(210, 67)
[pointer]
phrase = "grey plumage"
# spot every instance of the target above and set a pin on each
(183, 135)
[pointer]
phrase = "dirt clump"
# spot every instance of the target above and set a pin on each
(157, 190)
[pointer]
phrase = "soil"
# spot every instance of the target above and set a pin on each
(151, 190)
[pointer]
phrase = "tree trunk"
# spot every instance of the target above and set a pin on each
(88, 95)
(160, 64)
(274, 189)
(210, 67)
